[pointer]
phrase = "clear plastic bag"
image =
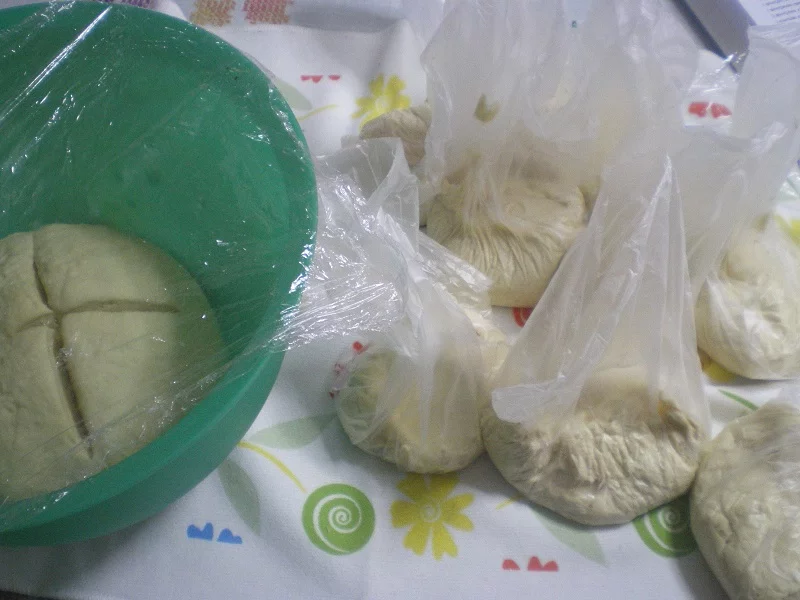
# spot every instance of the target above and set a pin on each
(357, 280)
(515, 149)
(410, 125)
(747, 312)
(598, 412)
(745, 502)
(412, 395)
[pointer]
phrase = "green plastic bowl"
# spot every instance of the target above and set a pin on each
(129, 118)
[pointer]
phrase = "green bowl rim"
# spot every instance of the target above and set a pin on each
(158, 454)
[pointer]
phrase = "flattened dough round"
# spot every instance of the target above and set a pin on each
(609, 461)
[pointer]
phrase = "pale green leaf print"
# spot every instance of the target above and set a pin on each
(292, 434)
(581, 539)
(740, 400)
(242, 494)
(294, 97)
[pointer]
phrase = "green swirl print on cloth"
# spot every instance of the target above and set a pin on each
(338, 519)
(666, 531)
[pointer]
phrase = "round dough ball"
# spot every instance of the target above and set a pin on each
(383, 410)
(409, 124)
(748, 315)
(607, 462)
(745, 505)
(520, 251)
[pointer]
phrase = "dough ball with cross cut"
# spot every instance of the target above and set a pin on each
(105, 340)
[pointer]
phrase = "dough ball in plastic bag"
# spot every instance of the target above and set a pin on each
(571, 95)
(413, 395)
(744, 269)
(411, 389)
(424, 429)
(409, 124)
(598, 412)
(745, 504)
(608, 462)
(517, 244)
(748, 312)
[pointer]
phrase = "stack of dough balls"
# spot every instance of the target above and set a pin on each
(514, 230)
(748, 314)
(100, 333)
(745, 504)
(615, 456)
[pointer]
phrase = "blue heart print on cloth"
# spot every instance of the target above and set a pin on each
(226, 537)
(206, 533)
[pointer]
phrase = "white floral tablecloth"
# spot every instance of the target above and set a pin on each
(296, 511)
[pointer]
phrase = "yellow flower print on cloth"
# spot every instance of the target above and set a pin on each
(384, 96)
(791, 227)
(430, 512)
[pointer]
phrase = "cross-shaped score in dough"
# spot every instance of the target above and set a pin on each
(101, 331)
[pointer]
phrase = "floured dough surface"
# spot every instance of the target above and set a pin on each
(611, 460)
(86, 266)
(135, 366)
(21, 301)
(520, 242)
(35, 409)
(101, 334)
(386, 413)
(748, 314)
(745, 505)
(409, 124)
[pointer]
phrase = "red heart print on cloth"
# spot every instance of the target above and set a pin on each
(698, 108)
(521, 315)
(534, 564)
(720, 110)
